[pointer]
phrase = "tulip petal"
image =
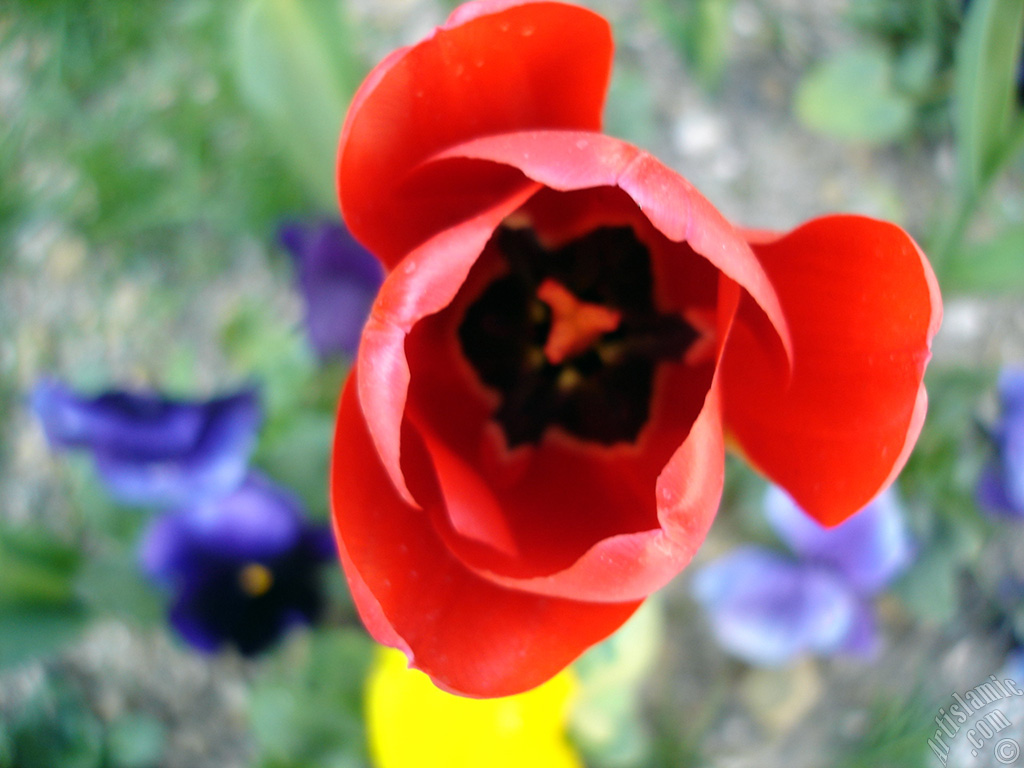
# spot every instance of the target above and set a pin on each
(569, 160)
(471, 636)
(513, 518)
(427, 282)
(494, 67)
(862, 305)
(623, 566)
(868, 549)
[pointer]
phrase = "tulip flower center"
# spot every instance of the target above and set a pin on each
(570, 337)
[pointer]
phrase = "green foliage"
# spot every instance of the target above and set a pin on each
(110, 584)
(55, 729)
(985, 116)
(895, 83)
(896, 735)
(297, 67)
(306, 710)
(146, 152)
(629, 110)
(995, 266)
(701, 33)
(296, 454)
(136, 741)
(607, 722)
(39, 610)
(944, 469)
(852, 96)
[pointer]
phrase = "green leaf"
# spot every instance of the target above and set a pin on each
(851, 97)
(35, 568)
(984, 85)
(296, 454)
(28, 632)
(296, 68)
(6, 748)
(260, 344)
(916, 66)
(39, 610)
(307, 711)
(112, 583)
(56, 729)
(930, 588)
(996, 266)
(606, 720)
(701, 32)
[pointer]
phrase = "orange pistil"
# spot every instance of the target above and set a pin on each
(575, 324)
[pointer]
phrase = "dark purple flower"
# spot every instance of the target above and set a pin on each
(339, 280)
(153, 450)
(1001, 485)
(768, 608)
(242, 568)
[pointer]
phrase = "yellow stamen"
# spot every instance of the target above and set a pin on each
(256, 579)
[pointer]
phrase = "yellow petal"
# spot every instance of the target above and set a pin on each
(413, 724)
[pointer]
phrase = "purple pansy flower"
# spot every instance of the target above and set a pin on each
(242, 569)
(339, 280)
(1001, 485)
(153, 450)
(767, 607)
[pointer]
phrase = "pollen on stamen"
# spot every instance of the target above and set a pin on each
(255, 579)
(575, 324)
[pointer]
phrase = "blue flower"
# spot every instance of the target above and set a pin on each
(338, 279)
(768, 608)
(242, 569)
(153, 450)
(1001, 485)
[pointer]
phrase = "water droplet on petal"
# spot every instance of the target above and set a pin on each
(527, 31)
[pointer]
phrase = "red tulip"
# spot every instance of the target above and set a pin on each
(533, 435)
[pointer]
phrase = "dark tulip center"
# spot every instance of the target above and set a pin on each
(571, 337)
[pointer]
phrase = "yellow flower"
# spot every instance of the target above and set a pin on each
(413, 724)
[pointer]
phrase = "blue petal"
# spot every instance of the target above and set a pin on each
(165, 548)
(767, 609)
(992, 492)
(154, 450)
(338, 279)
(201, 555)
(1010, 437)
(868, 549)
(862, 639)
(1013, 667)
(258, 520)
(131, 422)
